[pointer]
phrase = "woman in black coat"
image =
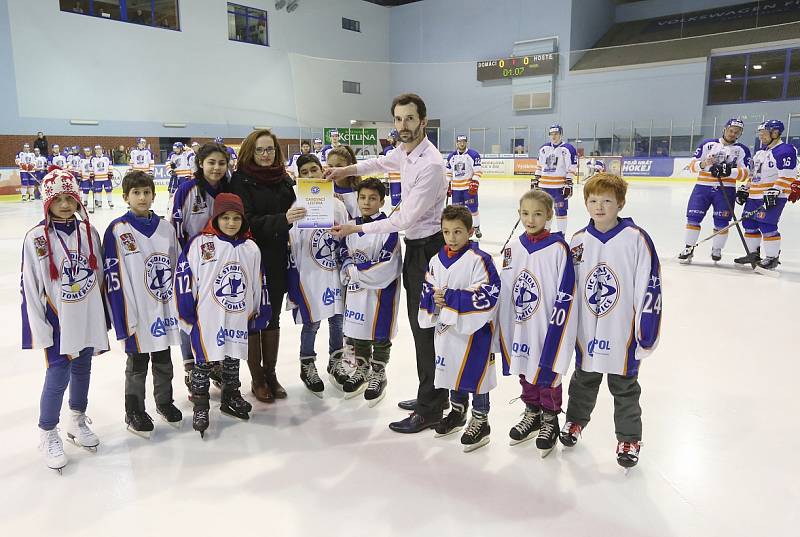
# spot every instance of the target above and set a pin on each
(266, 191)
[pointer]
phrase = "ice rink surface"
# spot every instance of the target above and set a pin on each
(719, 405)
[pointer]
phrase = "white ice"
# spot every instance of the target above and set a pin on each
(719, 401)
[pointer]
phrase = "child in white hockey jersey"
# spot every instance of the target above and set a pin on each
(371, 268)
(63, 311)
(536, 318)
(26, 161)
(459, 299)
(140, 252)
(314, 290)
(619, 314)
(192, 206)
(87, 179)
(101, 171)
(222, 298)
(345, 189)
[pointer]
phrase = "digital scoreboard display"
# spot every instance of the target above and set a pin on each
(530, 65)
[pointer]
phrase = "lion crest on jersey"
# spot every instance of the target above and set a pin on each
(158, 276)
(527, 294)
(323, 249)
(207, 251)
(128, 242)
(40, 243)
(601, 290)
(230, 286)
(77, 279)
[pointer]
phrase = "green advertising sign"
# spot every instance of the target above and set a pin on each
(353, 136)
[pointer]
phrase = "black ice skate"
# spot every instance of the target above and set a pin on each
(216, 375)
(187, 377)
(376, 384)
(570, 433)
(170, 414)
(477, 433)
(685, 257)
(628, 454)
(357, 382)
(139, 423)
(453, 422)
(478, 233)
(749, 259)
(200, 421)
(336, 370)
(716, 254)
(310, 377)
(530, 422)
(548, 433)
(234, 405)
(769, 263)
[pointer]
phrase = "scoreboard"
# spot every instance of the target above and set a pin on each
(507, 68)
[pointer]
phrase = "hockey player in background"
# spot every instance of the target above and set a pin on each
(334, 134)
(179, 165)
(87, 179)
(101, 170)
(233, 158)
(318, 150)
(459, 299)
(773, 183)
(26, 162)
(291, 166)
(715, 160)
(464, 173)
(41, 171)
(142, 158)
(618, 277)
(57, 158)
(555, 172)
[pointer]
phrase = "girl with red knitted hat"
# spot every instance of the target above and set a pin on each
(63, 310)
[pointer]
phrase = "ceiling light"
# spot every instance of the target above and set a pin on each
(83, 122)
(175, 125)
(757, 67)
(728, 76)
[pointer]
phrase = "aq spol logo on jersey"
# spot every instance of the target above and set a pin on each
(329, 296)
(229, 288)
(158, 276)
(77, 279)
(161, 326)
(598, 347)
(237, 336)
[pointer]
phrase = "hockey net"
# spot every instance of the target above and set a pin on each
(613, 165)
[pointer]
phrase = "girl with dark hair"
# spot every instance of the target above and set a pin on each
(345, 188)
(266, 190)
(192, 206)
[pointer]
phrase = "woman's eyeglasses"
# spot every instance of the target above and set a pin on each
(262, 150)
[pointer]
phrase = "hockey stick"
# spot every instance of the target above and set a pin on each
(509, 237)
(744, 216)
(738, 229)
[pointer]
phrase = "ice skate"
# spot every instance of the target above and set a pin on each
(336, 370)
(200, 421)
(716, 254)
(234, 405)
(52, 449)
(628, 454)
(310, 377)
(749, 259)
(79, 433)
(170, 414)
(357, 382)
(478, 233)
(769, 263)
(685, 257)
(216, 375)
(477, 433)
(376, 385)
(548, 433)
(453, 422)
(187, 377)
(523, 431)
(570, 434)
(139, 423)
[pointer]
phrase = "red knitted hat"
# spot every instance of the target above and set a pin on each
(225, 202)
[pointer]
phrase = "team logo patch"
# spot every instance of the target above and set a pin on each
(323, 249)
(577, 255)
(77, 279)
(507, 257)
(526, 293)
(128, 242)
(315, 190)
(199, 206)
(207, 251)
(158, 276)
(40, 243)
(230, 286)
(601, 290)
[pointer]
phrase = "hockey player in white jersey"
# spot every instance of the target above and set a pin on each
(192, 156)
(57, 158)
(459, 299)
(179, 166)
(555, 172)
(101, 171)
(618, 298)
(773, 183)
(371, 268)
(716, 160)
(87, 179)
(222, 297)
(335, 142)
(464, 173)
(140, 252)
(537, 321)
(26, 162)
(318, 150)
(63, 310)
(40, 171)
(314, 291)
(142, 158)
(291, 166)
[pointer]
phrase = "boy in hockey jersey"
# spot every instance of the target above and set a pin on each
(222, 297)
(101, 170)
(58, 159)
(141, 157)
(459, 299)
(314, 290)
(558, 164)
(41, 171)
(619, 314)
(87, 178)
(464, 172)
(140, 252)
(63, 311)
(26, 161)
(536, 319)
(192, 206)
(371, 268)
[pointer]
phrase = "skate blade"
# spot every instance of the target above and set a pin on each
(335, 383)
(453, 431)
(234, 416)
(176, 424)
(477, 445)
(60, 470)
(374, 402)
(685, 261)
(356, 393)
(143, 434)
(318, 394)
(74, 440)
(545, 452)
(768, 272)
(513, 442)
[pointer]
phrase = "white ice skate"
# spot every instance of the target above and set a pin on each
(79, 433)
(52, 449)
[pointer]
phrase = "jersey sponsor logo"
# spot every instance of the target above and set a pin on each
(599, 347)
(526, 293)
(77, 279)
(440, 364)
(323, 249)
(208, 251)
(160, 327)
(128, 242)
(158, 276)
(601, 290)
(224, 334)
(329, 296)
(577, 254)
(355, 316)
(230, 286)
(40, 243)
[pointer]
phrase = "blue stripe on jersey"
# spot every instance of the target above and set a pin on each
(578, 356)
(262, 318)
(294, 289)
(562, 309)
(196, 338)
(481, 299)
(426, 297)
(113, 287)
(505, 355)
(631, 363)
(476, 360)
(385, 312)
(650, 316)
(184, 283)
(387, 250)
(544, 377)
(27, 333)
(52, 353)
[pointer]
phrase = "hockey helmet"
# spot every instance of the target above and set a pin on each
(555, 128)
(735, 122)
(177, 145)
(219, 140)
(774, 125)
(461, 138)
